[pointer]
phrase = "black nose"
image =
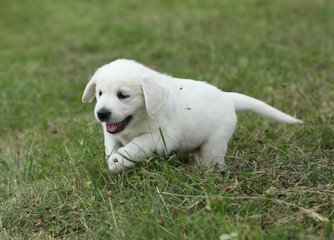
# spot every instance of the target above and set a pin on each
(104, 114)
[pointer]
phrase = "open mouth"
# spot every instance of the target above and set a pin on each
(118, 127)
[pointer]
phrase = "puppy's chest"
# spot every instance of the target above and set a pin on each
(123, 139)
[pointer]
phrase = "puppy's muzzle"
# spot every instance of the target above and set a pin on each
(104, 115)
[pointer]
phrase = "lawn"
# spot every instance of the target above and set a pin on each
(278, 181)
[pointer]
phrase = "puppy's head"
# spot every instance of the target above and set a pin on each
(125, 91)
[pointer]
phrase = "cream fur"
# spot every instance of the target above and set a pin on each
(189, 114)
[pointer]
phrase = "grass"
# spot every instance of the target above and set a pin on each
(278, 182)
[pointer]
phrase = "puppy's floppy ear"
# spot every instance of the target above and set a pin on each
(155, 95)
(89, 92)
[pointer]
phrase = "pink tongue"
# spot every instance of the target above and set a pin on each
(112, 127)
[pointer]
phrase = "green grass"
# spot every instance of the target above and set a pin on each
(278, 182)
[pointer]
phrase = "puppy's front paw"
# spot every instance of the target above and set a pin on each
(116, 163)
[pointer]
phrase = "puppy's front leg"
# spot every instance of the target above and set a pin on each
(137, 151)
(110, 144)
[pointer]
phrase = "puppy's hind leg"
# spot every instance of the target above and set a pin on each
(213, 151)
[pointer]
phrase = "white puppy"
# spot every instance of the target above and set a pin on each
(143, 111)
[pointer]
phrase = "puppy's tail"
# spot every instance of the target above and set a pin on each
(245, 103)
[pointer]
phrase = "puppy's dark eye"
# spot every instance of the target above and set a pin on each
(122, 95)
(100, 93)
